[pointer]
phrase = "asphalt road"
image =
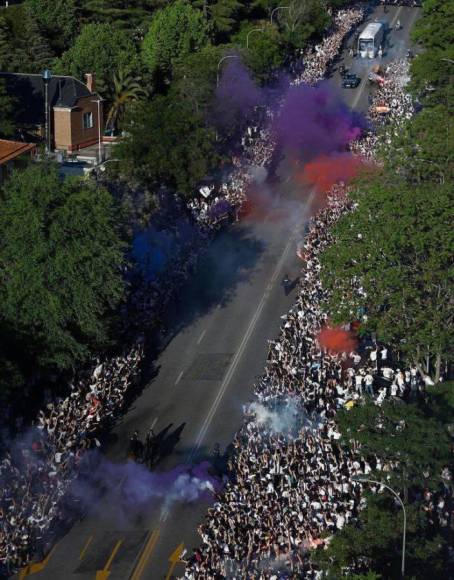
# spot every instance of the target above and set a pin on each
(230, 309)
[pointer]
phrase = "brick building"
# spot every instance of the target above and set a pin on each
(73, 106)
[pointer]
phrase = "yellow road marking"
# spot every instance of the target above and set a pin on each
(174, 559)
(36, 567)
(105, 572)
(148, 549)
(85, 548)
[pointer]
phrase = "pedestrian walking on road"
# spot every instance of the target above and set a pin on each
(380, 52)
(286, 283)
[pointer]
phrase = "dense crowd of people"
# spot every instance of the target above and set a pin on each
(38, 467)
(302, 469)
(292, 486)
(292, 483)
(410, 3)
(389, 108)
(257, 142)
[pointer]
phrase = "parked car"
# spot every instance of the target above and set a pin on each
(350, 81)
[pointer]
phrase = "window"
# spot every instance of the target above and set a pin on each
(88, 120)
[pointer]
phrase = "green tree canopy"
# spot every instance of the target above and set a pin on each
(303, 20)
(195, 76)
(167, 143)
(422, 150)
(56, 20)
(123, 13)
(222, 15)
(99, 49)
(175, 31)
(23, 47)
(60, 260)
(266, 51)
(6, 113)
(398, 248)
(416, 437)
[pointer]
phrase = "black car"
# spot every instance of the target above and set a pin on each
(350, 81)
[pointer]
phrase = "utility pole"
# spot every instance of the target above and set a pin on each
(47, 76)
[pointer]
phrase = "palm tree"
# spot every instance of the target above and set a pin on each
(124, 90)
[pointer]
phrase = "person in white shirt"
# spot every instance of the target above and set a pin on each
(369, 381)
(359, 383)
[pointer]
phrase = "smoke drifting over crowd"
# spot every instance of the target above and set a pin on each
(309, 128)
(337, 340)
(314, 121)
(132, 487)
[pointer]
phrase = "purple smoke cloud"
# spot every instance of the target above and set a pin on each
(314, 121)
(237, 94)
(130, 486)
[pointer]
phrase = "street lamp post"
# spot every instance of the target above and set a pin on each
(100, 150)
(220, 62)
(253, 30)
(397, 496)
(275, 10)
(47, 76)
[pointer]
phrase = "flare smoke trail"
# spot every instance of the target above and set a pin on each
(337, 340)
(284, 416)
(132, 486)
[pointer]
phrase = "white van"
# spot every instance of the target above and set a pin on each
(370, 40)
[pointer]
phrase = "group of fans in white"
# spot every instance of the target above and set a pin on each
(290, 480)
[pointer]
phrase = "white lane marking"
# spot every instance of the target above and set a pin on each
(396, 16)
(361, 88)
(164, 514)
(201, 336)
(236, 359)
(155, 420)
(179, 378)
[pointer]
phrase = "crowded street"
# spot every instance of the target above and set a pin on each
(227, 383)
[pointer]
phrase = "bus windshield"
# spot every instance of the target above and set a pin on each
(366, 44)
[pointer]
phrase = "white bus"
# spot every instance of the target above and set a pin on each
(370, 40)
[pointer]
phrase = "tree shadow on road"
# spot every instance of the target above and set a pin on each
(230, 260)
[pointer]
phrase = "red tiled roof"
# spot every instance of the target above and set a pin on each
(11, 149)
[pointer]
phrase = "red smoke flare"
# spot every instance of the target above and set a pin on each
(325, 171)
(337, 340)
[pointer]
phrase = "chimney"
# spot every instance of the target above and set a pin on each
(90, 82)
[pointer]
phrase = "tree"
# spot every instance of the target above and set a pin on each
(60, 260)
(37, 51)
(266, 51)
(56, 20)
(122, 13)
(412, 436)
(398, 248)
(5, 45)
(195, 77)
(431, 76)
(125, 90)
(415, 437)
(175, 31)
(421, 151)
(167, 144)
(221, 14)
(99, 49)
(22, 46)
(302, 20)
(6, 113)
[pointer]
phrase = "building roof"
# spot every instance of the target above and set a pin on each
(27, 92)
(9, 150)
